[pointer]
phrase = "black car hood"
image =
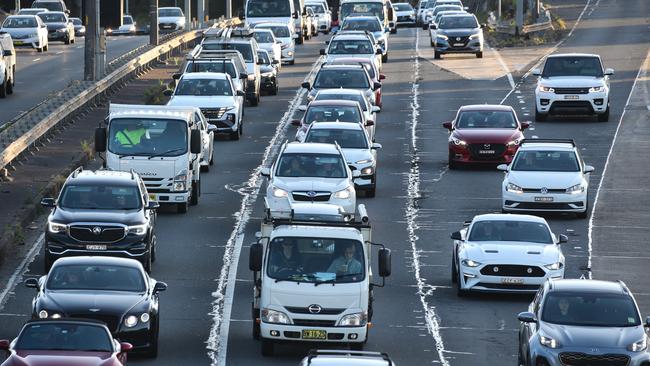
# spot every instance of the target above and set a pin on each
(67, 216)
(460, 32)
(55, 26)
(80, 302)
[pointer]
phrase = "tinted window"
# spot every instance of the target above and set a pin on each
(147, 137)
(402, 7)
(347, 139)
(546, 161)
(52, 17)
(361, 24)
(170, 13)
(207, 66)
(278, 31)
(573, 66)
(332, 114)
(264, 57)
(51, 6)
(100, 197)
(457, 22)
(20, 22)
(334, 79)
(370, 8)
(311, 165)
(486, 119)
(263, 37)
(99, 277)
(127, 20)
(595, 310)
(369, 68)
(245, 49)
(351, 47)
(317, 8)
(352, 97)
(65, 337)
(203, 87)
(496, 230)
(268, 8)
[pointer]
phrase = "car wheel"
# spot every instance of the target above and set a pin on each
(40, 49)
(152, 351)
(234, 135)
(300, 39)
(454, 270)
(452, 164)
(479, 54)
(432, 44)
(275, 89)
(146, 262)
(67, 40)
(384, 58)
(268, 348)
(256, 325)
(605, 116)
(370, 192)
(540, 116)
(205, 168)
(425, 26)
(437, 55)
(182, 207)
(459, 290)
(3, 87)
(46, 47)
(393, 31)
(196, 188)
(255, 100)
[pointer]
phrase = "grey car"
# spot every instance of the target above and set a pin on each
(583, 322)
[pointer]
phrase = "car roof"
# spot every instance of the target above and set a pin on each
(333, 102)
(102, 176)
(486, 107)
(335, 126)
(311, 147)
(342, 67)
(23, 16)
(66, 321)
(98, 260)
(339, 91)
(270, 24)
(55, 12)
(585, 285)
(337, 357)
(361, 17)
(508, 217)
(459, 14)
(262, 30)
(169, 7)
(351, 36)
(573, 55)
(205, 75)
(546, 145)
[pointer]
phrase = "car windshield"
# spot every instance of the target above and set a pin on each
(49, 5)
(546, 161)
(402, 7)
(370, 8)
(316, 260)
(370, 25)
(203, 87)
(127, 20)
(445, 13)
(264, 57)
(147, 137)
(590, 310)
(453, 22)
(347, 139)
(244, 48)
(351, 47)
(170, 13)
(263, 37)
(268, 8)
(486, 119)
(20, 22)
(311, 165)
(423, 4)
(369, 68)
(356, 97)
(332, 114)
(96, 278)
(337, 78)
(212, 66)
(52, 17)
(509, 230)
(31, 11)
(573, 66)
(100, 197)
(64, 336)
(278, 31)
(76, 21)
(317, 8)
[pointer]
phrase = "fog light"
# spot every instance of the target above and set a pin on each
(353, 336)
(179, 199)
(275, 333)
(543, 101)
(598, 101)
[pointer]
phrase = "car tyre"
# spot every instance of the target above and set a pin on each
(211, 162)
(46, 47)
(268, 348)
(275, 89)
(425, 26)
(196, 191)
(479, 54)
(152, 351)
(540, 116)
(292, 62)
(605, 116)
(154, 246)
(459, 291)
(393, 31)
(300, 39)
(146, 262)
(67, 41)
(3, 87)
(437, 55)
(182, 207)
(432, 43)
(454, 270)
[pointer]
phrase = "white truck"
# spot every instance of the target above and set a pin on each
(7, 65)
(313, 276)
(161, 143)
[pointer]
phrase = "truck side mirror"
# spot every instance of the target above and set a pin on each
(255, 257)
(456, 235)
(195, 142)
(31, 283)
(384, 262)
(100, 139)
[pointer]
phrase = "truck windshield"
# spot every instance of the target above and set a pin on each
(268, 8)
(146, 137)
(375, 8)
(316, 260)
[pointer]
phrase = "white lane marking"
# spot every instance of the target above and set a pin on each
(58, 53)
(36, 59)
(412, 211)
(643, 72)
(217, 343)
(511, 81)
(20, 270)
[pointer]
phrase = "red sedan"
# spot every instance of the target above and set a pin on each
(370, 67)
(69, 342)
(487, 134)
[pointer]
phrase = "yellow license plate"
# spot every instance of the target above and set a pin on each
(18, 43)
(314, 334)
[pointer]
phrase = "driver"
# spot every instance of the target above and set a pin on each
(286, 259)
(346, 263)
(131, 135)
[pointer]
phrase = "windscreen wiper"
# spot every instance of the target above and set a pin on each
(338, 277)
(166, 152)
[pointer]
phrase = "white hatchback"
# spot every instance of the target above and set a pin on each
(26, 30)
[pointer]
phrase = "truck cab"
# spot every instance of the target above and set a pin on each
(161, 143)
(313, 276)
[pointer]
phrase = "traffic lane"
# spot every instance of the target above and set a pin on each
(39, 74)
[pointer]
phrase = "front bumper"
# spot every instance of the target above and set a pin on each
(471, 278)
(57, 36)
(26, 42)
(591, 103)
(269, 82)
(61, 245)
(280, 204)
(140, 336)
(551, 202)
(582, 355)
(472, 153)
(284, 332)
(451, 46)
(405, 19)
(288, 54)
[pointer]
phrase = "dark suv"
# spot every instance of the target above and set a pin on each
(101, 213)
(583, 322)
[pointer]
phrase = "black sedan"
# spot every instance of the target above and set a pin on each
(116, 291)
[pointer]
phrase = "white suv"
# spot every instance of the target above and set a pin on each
(546, 175)
(572, 83)
(310, 172)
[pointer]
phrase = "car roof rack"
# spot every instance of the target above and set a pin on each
(320, 352)
(77, 171)
(546, 141)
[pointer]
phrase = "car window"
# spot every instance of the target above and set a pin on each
(263, 37)
(311, 165)
(361, 24)
(203, 87)
(453, 22)
(486, 119)
(278, 31)
(347, 139)
(170, 13)
(549, 161)
(590, 310)
(317, 8)
(208, 66)
(264, 57)
(268, 8)
(127, 20)
(334, 79)
(76, 21)
(332, 114)
(352, 97)
(96, 277)
(244, 48)
(402, 7)
(52, 17)
(65, 337)
(351, 47)
(100, 197)
(573, 66)
(510, 230)
(20, 22)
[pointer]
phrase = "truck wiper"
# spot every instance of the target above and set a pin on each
(338, 277)
(166, 152)
(125, 155)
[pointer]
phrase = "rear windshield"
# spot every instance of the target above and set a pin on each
(370, 25)
(402, 7)
(317, 8)
(351, 47)
(263, 37)
(356, 97)
(486, 119)
(62, 336)
(278, 31)
(332, 114)
(203, 87)
(96, 277)
(334, 79)
(546, 161)
(52, 17)
(244, 48)
(573, 66)
(347, 139)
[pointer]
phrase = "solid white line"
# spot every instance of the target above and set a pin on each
(511, 81)
(217, 342)
(36, 59)
(20, 270)
(643, 70)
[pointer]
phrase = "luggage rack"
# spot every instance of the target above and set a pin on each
(315, 214)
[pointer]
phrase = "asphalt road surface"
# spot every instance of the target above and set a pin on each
(203, 255)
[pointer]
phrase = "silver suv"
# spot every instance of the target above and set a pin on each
(583, 322)
(345, 358)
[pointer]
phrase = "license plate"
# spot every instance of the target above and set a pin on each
(512, 281)
(18, 43)
(543, 199)
(486, 152)
(571, 97)
(314, 334)
(95, 247)
(459, 44)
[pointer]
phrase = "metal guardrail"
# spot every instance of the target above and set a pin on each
(530, 28)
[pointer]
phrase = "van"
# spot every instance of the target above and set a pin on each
(51, 5)
(272, 11)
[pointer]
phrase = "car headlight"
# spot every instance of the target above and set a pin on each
(344, 194)
(267, 74)
(251, 77)
(576, 189)
(475, 36)
(131, 321)
(354, 320)
(442, 36)
(43, 314)
(367, 171)
(137, 229)
(470, 263)
(458, 142)
(53, 227)
(364, 161)
(549, 342)
(144, 317)
(180, 181)
(275, 317)
(596, 89)
(554, 266)
(279, 192)
(514, 188)
(62, 30)
(55, 316)
(512, 143)
(546, 89)
(638, 346)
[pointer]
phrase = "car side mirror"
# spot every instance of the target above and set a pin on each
(275, 62)
(563, 239)
(589, 169)
(7, 53)
(48, 202)
(213, 128)
(609, 71)
(240, 93)
(153, 205)
(196, 145)
(306, 85)
(255, 257)
(525, 125)
(647, 324)
(31, 283)
(447, 125)
(322, 52)
(176, 76)
(243, 76)
(456, 235)
(43, 26)
(125, 347)
(327, 42)
(382, 77)
(370, 122)
(265, 172)
(375, 109)
(168, 92)
(277, 41)
(100, 139)
(240, 15)
(159, 287)
(527, 317)
(376, 86)
(378, 51)
(433, 26)
(296, 122)
(384, 262)
(502, 167)
(537, 72)
(376, 146)
(356, 174)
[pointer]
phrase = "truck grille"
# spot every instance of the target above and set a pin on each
(314, 323)
(311, 196)
(571, 90)
(86, 233)
(213, 113)
(511, 270)
(583, 359)
(324, 311)
(158, 185)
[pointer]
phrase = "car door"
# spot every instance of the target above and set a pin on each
(205, 136)
(529, 330)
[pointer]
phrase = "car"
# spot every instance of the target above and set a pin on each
(310, 172)
(406, 15)
(77, 341)
(58, 26)
(128, 27)
(369, 111)
(433, 9)
(583, 322)
(433, 25)
(372, 25)
(217, 97)
(266, 41)
(79, 28)
(346, 358)
(117, 291)
(360, 153)
(26, 30)
(484, 134)
(171, 19)
(230, 63)
(505, 253)
(573, 83)
(51, 5)
(458, 33)
(7, 65)
(391, 15)
(269, 72)
(31, 11)
(322, 15)
(101, 212)
(286, 35)
(345, 77)
(207, 139)
(421, 10)
(312, 22)
(372, 70)
(331, 111)
(359, 44)
(546, 175)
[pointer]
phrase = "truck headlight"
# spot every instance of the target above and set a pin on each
(180, 182)
(470, 263)
(638, 346)
(275, 317)
(576, 189)
(548, 342)
(279, 192)
(546, 89)
(53, 227)
(514, 188)
(554, 266)
(354, 320)
(137, 229)
(596, 89)
(344, 193)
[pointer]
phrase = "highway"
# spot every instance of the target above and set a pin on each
(39, 74)
(418, 319)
